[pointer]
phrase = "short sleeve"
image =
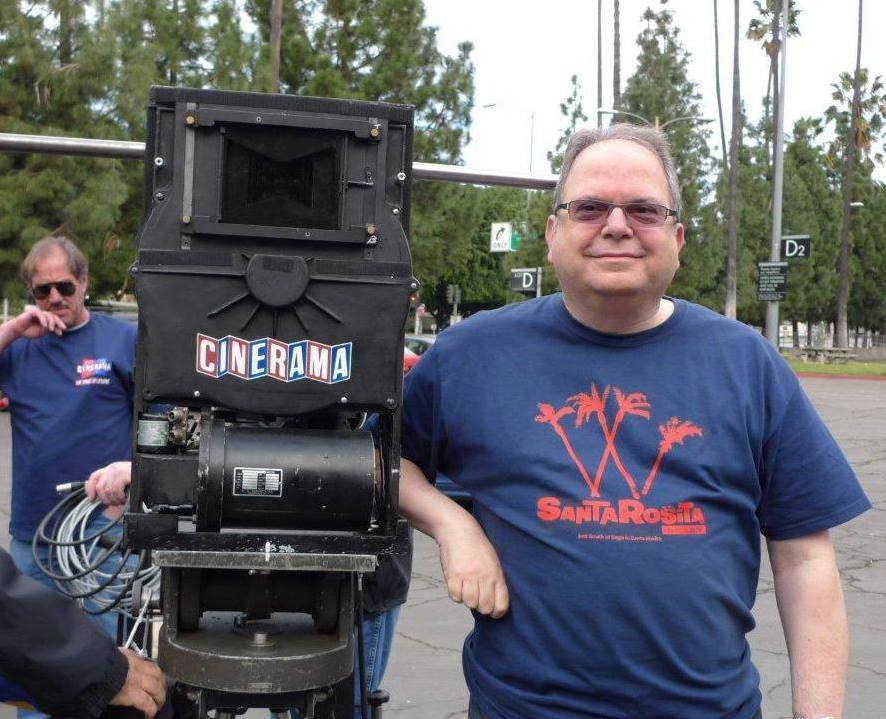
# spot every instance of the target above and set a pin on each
(808, 485)
(5, 367)
(423, 438)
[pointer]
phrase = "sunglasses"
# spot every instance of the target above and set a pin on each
(65, 289)
(596, 212)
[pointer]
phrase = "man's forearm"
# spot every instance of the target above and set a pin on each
(813, 615)
(6, 336)
(470, 563)
(427, 508)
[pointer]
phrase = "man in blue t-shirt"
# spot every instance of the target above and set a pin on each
(69, 379)
(625, 451)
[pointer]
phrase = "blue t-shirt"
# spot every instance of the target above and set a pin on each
(624, 482)
(71, 405)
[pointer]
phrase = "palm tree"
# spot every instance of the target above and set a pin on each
(843, 279)
(599, 62)
(717, 77)
(276, 28)
(616, 59)
(674, 431)
(548, 415)
(593, 404)
(732, 196)
(767, 29)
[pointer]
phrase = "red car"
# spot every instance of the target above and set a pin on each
(409, 360)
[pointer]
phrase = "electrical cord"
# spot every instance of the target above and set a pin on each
(90, 566)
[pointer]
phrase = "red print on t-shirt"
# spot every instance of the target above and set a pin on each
(587, 407)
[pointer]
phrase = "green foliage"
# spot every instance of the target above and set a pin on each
(84, 68)
(572, 110)
(870, 121)
(660, 91)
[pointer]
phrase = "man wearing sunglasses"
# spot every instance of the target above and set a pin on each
(68, 376)
(625, 450)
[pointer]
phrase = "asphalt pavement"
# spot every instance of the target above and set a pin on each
(425, 678)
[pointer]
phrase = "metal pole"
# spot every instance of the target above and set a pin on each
(531, 138)
(538, 283)
(778, 179)
(10, 142)
(124, 150)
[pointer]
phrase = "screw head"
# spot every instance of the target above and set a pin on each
(374, 132)
(196, 392)
(370, 229)
(396, 210)
(413, 285)
(190, 120)
(401, 176)
(391, 402)
(372, 240)
(344, 400)
(258, 118)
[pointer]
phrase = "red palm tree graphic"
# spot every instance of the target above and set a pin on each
(674, 431)
(548, 415)
(593, 404)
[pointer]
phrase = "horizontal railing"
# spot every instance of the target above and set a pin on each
(126, 150)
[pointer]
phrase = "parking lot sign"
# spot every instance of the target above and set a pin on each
(796, 247)
(525, 280)
(772, 281)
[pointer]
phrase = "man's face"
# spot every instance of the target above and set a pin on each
(53, 268)
(614, 261)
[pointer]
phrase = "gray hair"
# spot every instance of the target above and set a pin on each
(77, 263)
(651, 138)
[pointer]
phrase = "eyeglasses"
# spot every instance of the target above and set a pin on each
(596, 212)
(65, 289)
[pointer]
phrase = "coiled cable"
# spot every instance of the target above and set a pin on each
(89, 564)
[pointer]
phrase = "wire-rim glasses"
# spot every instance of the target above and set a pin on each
(589, 210)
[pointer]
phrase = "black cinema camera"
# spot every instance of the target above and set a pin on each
(273, 280)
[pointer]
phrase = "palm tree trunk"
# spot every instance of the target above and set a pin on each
(599, 62)
(719, 101)
(647, 485)
(610, 451)
(844, 280)
(574, 457)
(616, 59)
(732, 197)
(276, 32)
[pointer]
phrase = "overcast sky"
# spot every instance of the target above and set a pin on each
(525, 53)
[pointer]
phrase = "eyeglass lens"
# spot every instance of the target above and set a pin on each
(647, 214)
(65, 289)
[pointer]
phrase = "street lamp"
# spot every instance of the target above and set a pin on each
(686, 118)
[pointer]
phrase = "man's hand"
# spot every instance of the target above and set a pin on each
(470, 563)
(30, 324)
(473, 573)
(144, 688)
(109, 484)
